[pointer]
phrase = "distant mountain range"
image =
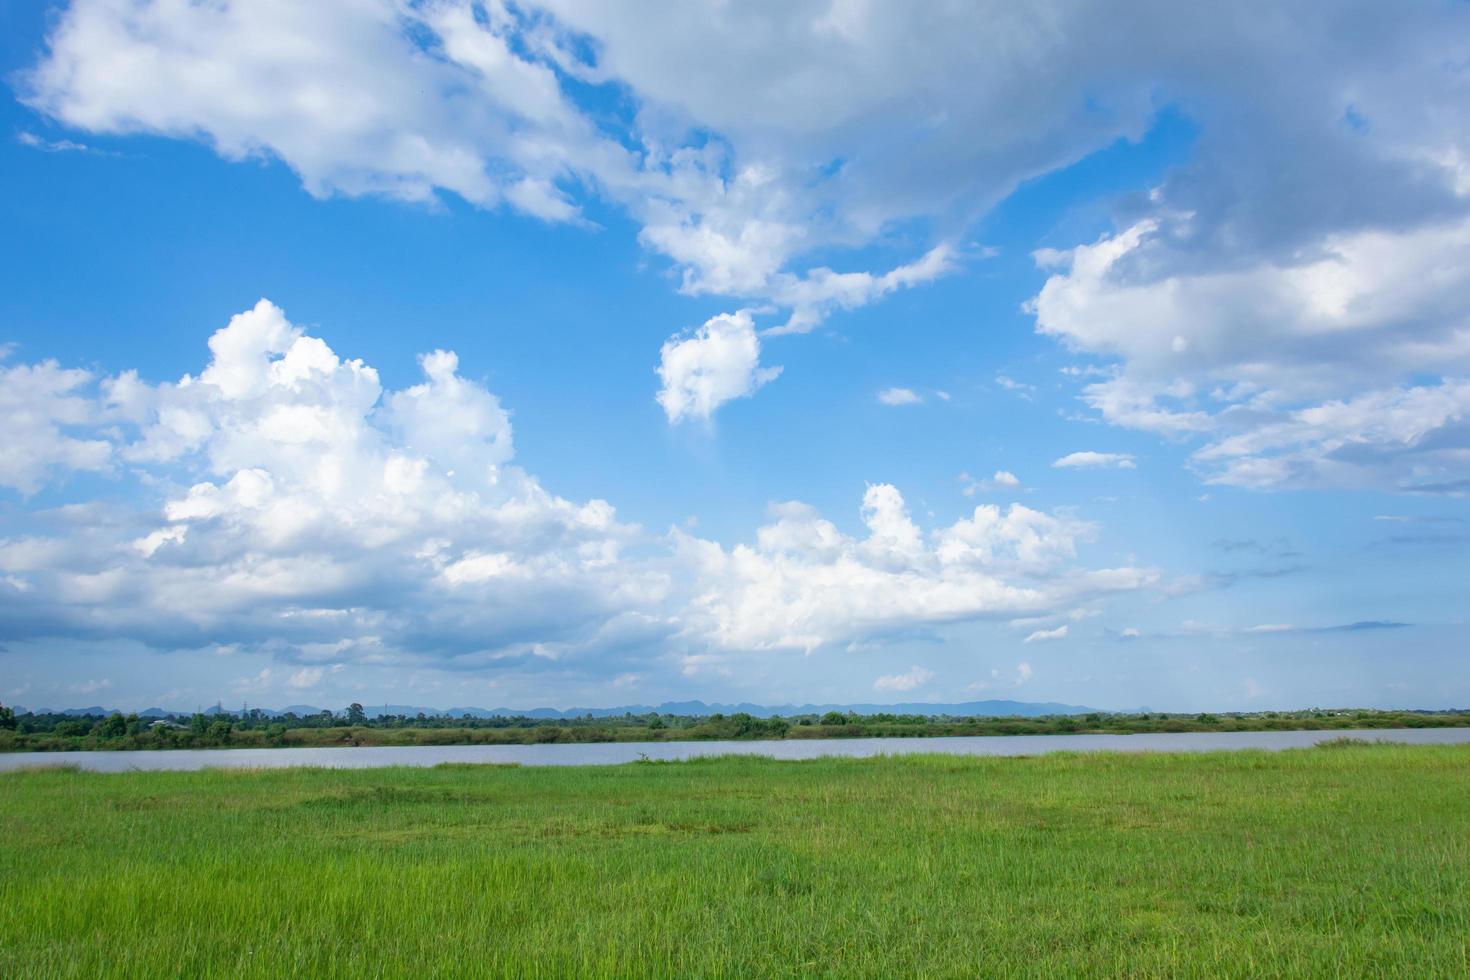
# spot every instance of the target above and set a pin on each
(963, 709)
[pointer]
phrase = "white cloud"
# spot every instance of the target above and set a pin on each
(1415, 439)
(1002, 480)
(915, 676)
(411, 101)
(45, 418)
(1092, 460)
(1042, 636)
(1301, 370)
(1023, 673)
(898, 396)
(27, 138)
(1020, 388)
(1261, 262)
(702, 370)
(360, 110)
(812, 296)
(301, 505)
(292, 507)
(805, 584)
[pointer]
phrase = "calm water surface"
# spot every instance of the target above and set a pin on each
(612, 753)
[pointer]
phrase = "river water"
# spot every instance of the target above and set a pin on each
(613, 753)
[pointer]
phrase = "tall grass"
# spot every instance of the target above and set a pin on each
(1310, 862)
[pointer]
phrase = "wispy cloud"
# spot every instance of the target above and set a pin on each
(1087, 459)
(1417, 519)
(1193, 628)
(1021, 388)
(26, 138)
(1001, 480)
(899, 396)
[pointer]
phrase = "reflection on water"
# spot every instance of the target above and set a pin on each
(612, 753)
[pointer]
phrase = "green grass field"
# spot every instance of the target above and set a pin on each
(1336, 861)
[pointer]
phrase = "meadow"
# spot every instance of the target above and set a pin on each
(1347, 859)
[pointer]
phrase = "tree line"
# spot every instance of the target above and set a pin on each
(32, 731)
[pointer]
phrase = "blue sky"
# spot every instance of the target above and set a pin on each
(1141, 376)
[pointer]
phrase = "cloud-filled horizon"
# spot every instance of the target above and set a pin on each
(564, 352)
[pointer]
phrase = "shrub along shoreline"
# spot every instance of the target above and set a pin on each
(255, 729)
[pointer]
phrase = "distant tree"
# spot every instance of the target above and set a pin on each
(833, 718)
(7, 718)
(655, 723)
(113, 726)
(355, 714)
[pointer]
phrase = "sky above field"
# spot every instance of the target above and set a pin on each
(571, 353)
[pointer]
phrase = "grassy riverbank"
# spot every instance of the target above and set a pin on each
(1347, 860)
(62, 733)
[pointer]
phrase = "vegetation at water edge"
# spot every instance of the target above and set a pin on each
(353, 726)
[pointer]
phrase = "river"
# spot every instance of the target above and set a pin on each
(614, 753)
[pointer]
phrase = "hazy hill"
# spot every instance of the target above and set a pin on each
(993, 708)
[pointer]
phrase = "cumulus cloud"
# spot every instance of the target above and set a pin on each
(1301, 331)
(1088, 459)
(46, 422)
(915, 676)
(805, 584)
(714, 364)
(898, 396)
(293, 507)
(1270, 362)
(303, 505)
